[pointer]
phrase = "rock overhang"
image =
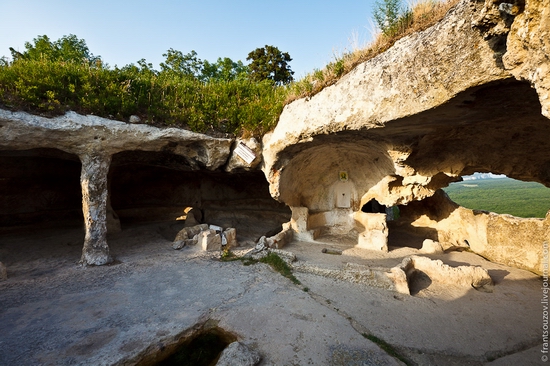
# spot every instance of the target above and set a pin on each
(438, 102)
(199, 168)
(465, 95)
(77, 134)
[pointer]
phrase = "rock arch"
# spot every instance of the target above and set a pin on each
(439, 104)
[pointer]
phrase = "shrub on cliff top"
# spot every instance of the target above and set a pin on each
(53, 77)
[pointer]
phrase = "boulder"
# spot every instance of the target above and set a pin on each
(210, 240)
(188, 236)
(238, 354)
(181, 235)
(185, 243)
(190, 232)
(229, 235)
(430, 246)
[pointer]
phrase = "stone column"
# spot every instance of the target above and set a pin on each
(93, 180)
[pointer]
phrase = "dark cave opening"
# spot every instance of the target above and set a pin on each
(40, 187)
(373, 206)
(157, 186)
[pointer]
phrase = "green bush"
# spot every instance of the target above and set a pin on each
(49, 86)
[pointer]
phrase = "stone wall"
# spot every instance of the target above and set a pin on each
(517, 242)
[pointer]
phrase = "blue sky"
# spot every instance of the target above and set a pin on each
(123, 32)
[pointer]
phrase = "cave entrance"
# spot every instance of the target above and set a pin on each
(404, 230)
(401, 233)
(40, 187)
(373, 206)
(147, 187)
(40, 210)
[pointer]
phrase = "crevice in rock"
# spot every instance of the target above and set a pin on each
(200, 345)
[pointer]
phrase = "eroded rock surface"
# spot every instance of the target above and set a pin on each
(469, 94)
(3, 272)
(128, 173)
(464, 276)
(238, 354)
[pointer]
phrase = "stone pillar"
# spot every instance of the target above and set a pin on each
(93, 180)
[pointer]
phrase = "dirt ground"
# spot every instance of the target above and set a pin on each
(54, 312)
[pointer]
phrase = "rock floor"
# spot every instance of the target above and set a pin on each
(54, 312)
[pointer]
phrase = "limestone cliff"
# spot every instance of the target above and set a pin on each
(27, 142)
(468, 94)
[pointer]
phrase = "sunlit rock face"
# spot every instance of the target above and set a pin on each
(468, 94)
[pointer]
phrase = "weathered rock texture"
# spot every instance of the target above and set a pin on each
(468, 94)
(462, 276)
(127, 172)
(93, 179)
(501, 238)
(238, 354)
(3, 272)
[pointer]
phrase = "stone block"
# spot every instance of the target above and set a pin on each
(194, 230)
(461, 276)
(299, 219)
(190, 232)
(181, 236)
(210, 240)
(374, 240)
(177, 245)
(230, 236)
(185, 243)
(375, 231)
(281, 239)
(238, 354)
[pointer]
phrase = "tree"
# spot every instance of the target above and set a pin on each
(188, 64)
(66, 49)
(270, 63)
(387, 14)
(223, 70)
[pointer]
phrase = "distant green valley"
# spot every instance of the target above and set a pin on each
(503, 196)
